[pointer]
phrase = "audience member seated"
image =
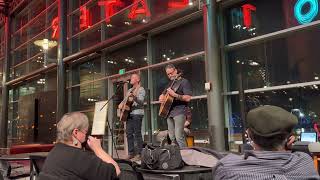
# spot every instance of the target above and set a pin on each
(68, 160)
(269, 129)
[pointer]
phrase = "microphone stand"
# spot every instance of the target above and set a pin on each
(108, 124)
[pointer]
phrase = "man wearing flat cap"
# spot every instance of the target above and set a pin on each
(269, 128)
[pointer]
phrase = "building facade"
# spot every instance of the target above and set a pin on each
(62, 56)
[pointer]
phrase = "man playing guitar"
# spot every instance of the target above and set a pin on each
(177, 113)
(134, 121)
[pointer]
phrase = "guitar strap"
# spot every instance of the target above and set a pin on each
(176, 85)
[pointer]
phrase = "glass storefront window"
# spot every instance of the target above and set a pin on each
(130, 57)
(38, 58)
(293, 59)
(302, 102)
(31, 29)
(95, 18)
(253, 18)
(88, 71)
(32, 116)
(85, 96)
(177, 42)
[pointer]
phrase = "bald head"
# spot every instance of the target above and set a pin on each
(135, 79)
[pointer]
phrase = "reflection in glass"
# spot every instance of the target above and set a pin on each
(302, 102)
(31, 29)
(32, 111)
(85, 96)
(122, 19)
(293, 59)
(260, 21)
(179, 41)
(128, 58)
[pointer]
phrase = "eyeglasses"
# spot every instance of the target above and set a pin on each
(83, 131)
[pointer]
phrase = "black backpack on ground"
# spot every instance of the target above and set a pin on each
(164, 157)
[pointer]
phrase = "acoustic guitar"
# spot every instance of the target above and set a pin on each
(126, 104)
(166, 105)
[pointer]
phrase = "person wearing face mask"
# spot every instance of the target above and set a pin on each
(68, 160)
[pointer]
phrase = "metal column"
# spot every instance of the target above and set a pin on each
(62, 46)
(214, 76)
(5, 90)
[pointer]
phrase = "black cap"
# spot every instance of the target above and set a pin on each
(269, 120)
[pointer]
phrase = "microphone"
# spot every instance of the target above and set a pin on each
(123, 82)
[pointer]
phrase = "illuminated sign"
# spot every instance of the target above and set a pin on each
(110, 7)
(139, 7)
(55, 28)
(84, 18)
(306, 17)
(246, 10)
(122, 71)
(178, 4)
(135, 10)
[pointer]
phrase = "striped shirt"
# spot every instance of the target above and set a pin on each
(265, 165)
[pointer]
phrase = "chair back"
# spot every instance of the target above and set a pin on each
(37, 163)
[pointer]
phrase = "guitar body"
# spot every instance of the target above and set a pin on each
(124, 112)
(166, 105)
(168, 100)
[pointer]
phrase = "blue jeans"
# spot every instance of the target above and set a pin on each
(176, 129)
(133, 130)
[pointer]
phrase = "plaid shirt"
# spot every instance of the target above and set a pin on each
(265, 165)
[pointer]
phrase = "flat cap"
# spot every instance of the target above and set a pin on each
(270, 120)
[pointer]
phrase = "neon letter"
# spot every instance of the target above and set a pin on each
(55, 27)
(247, 19)
(309, 16)
(178, 5)
(110, 7)
(84, 18)
(143, 10)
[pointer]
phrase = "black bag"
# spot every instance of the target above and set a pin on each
(161, 157)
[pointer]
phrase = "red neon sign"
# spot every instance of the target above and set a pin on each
(110, 7)
(178, 4)
(55, 28)
(140, 7)
(142, 10)
(247, 19)
(84, 18)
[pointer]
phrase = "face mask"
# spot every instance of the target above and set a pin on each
(85, 144)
